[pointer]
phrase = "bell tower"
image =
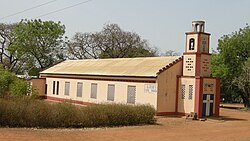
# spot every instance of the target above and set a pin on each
(198, 92)
(196, 56)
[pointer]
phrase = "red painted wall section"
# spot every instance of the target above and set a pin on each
(198, 65)
(198, 44)
(201, 98)
(198, 96)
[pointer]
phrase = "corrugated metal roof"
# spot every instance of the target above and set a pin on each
(144, 67)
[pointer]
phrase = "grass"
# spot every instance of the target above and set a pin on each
(26, 112)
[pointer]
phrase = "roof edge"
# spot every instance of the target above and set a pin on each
(169, 65)
(93, 75)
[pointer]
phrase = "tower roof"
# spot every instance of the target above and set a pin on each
(198, 26)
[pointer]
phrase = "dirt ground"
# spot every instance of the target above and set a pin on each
(233, 125)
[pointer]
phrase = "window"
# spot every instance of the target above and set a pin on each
(57, 88)
(191, 44)
(79, 89)
(111, 92)
(93, 90)
(182, 91)
(67, 88)
(54, 87)
(190, 94)
(131, 91)
(46, 87)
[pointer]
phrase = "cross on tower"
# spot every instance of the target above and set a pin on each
(208, 100)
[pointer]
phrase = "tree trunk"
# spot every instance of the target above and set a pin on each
(245, 101)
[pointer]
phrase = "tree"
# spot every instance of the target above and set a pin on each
(171, 53)
(39, 42)
(83, 46)
(7, 59)
(233, 52)
(243, 83)
(111, 42)
(6, 78)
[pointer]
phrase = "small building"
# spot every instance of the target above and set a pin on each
(172, 85)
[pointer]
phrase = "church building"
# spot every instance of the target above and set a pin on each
(176, 85)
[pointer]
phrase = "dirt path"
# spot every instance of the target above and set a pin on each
(234, 127)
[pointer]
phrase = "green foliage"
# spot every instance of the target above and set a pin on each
(18, 88)
(23, 112)
(233, 52)
(6, 78)
(10, 85)
(34, 71)
(38, 41)
(243, 83)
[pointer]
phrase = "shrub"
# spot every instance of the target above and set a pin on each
(18, 87)
(6, 78)
(27, 112)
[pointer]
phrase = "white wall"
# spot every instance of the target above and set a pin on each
(142, 97)
(186, 105)
(189, 61)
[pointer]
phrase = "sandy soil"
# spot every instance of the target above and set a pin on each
(233, 125)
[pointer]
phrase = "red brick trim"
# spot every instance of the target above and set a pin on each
(166, 113)
(201, 98)
(171, 113)
(210, 77)
(189, 33)
(198, 96)
(170, 65)
(198, 44)
(195, 53)
(186, 45)
(217, 98)
(208, 44)
(68, 100)
(65, 76)
(183, 114)
(198, 77)
(198, 65)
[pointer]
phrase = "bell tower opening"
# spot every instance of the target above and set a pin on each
(198, 26)
(191, 44)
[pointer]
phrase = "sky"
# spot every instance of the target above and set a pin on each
(162, 22)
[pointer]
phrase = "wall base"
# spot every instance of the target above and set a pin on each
(68, 100)
(171, 113)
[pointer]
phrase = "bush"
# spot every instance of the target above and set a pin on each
(27, 112)
(18, 87)
(6, 78)
(10, 85)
